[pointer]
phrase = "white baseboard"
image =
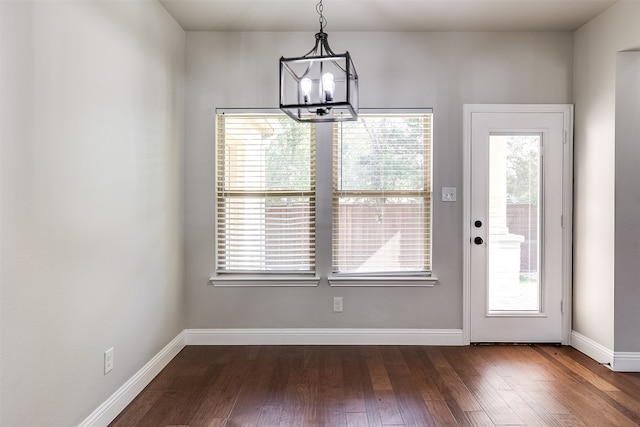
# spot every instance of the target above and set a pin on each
(593, 349)
(336, 336)
(626, 361)
(618, 361)
(119, 400)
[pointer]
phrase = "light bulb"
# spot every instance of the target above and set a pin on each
(328, 86)
(305, 87)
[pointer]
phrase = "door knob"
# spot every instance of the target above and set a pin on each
(478, 240)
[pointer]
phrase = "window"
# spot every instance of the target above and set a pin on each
(382, 195)
(375, 197)
(265, 195)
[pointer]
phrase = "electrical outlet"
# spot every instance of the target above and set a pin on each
(337, 304)
(108, 361)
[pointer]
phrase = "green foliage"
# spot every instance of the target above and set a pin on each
(523, 169)
(382, 153)
(288, 155)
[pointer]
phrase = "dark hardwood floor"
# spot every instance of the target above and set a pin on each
(385, 386)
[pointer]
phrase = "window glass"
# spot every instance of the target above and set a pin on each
(265, 194)
(382, 194)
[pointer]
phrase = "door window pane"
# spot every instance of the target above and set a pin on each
(514, 223)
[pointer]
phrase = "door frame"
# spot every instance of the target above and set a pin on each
(567, 205)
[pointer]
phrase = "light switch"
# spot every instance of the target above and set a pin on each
(448, 194)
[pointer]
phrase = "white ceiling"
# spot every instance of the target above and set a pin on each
(385, 15)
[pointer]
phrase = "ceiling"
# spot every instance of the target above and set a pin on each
(385, 15)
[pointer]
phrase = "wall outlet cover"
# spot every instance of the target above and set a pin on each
(337, 304)
(108, 361)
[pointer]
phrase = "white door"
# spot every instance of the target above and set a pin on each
(518, 195)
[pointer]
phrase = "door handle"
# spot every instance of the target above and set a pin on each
(478, 240)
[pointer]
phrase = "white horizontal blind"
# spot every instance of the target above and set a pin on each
(382, 194)
(265, 187)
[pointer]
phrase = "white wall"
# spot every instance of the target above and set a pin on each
(91, 256)
(595, 246)
(438, 70)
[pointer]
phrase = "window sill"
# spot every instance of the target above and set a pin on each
(381, 281)
(266, 281)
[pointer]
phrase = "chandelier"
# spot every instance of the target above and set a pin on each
(320, 86)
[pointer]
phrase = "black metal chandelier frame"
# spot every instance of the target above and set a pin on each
(320, 86)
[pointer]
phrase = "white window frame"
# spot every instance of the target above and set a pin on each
(258, 278)
(324, 197)
(392, 279)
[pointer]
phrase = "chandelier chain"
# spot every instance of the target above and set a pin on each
(322, 20)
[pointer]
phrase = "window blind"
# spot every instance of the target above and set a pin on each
(382, 194)
(265, 194)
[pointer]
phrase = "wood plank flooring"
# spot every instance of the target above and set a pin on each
(357, 386)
